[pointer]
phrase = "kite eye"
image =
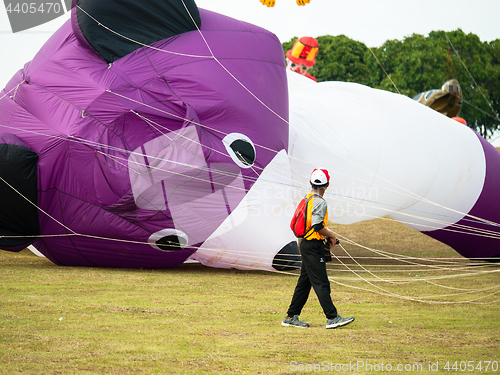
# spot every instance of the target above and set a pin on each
(168, 240)
(170, 243)
(241, 149)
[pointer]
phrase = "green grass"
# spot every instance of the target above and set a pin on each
(199, 320)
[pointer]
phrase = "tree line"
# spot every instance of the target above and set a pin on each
(420, 63)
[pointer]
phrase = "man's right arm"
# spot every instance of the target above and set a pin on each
(328, 233)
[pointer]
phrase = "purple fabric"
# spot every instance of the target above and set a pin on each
(486, 207)
(11, 139)
(85, 119)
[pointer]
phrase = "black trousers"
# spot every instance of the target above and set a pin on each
(312, 273)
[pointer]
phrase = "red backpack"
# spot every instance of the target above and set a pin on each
(299, 219)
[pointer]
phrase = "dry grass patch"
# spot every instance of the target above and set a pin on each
(199, 320)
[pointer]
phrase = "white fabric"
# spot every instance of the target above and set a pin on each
(259, 227)
(386, 155)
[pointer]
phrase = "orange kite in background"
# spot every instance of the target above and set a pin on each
(270, 3)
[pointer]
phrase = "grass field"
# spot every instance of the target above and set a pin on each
(199, 320)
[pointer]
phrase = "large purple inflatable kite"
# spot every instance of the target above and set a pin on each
(132, 139)
(146, 133)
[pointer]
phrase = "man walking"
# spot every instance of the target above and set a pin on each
(312, 251)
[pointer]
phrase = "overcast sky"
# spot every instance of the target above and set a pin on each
(369, 21)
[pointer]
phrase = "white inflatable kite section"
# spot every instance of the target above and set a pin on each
(259, 227)
(387, 155)
(35, 251)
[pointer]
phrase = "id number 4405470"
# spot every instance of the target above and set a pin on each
(471, 366)
(25, 8)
